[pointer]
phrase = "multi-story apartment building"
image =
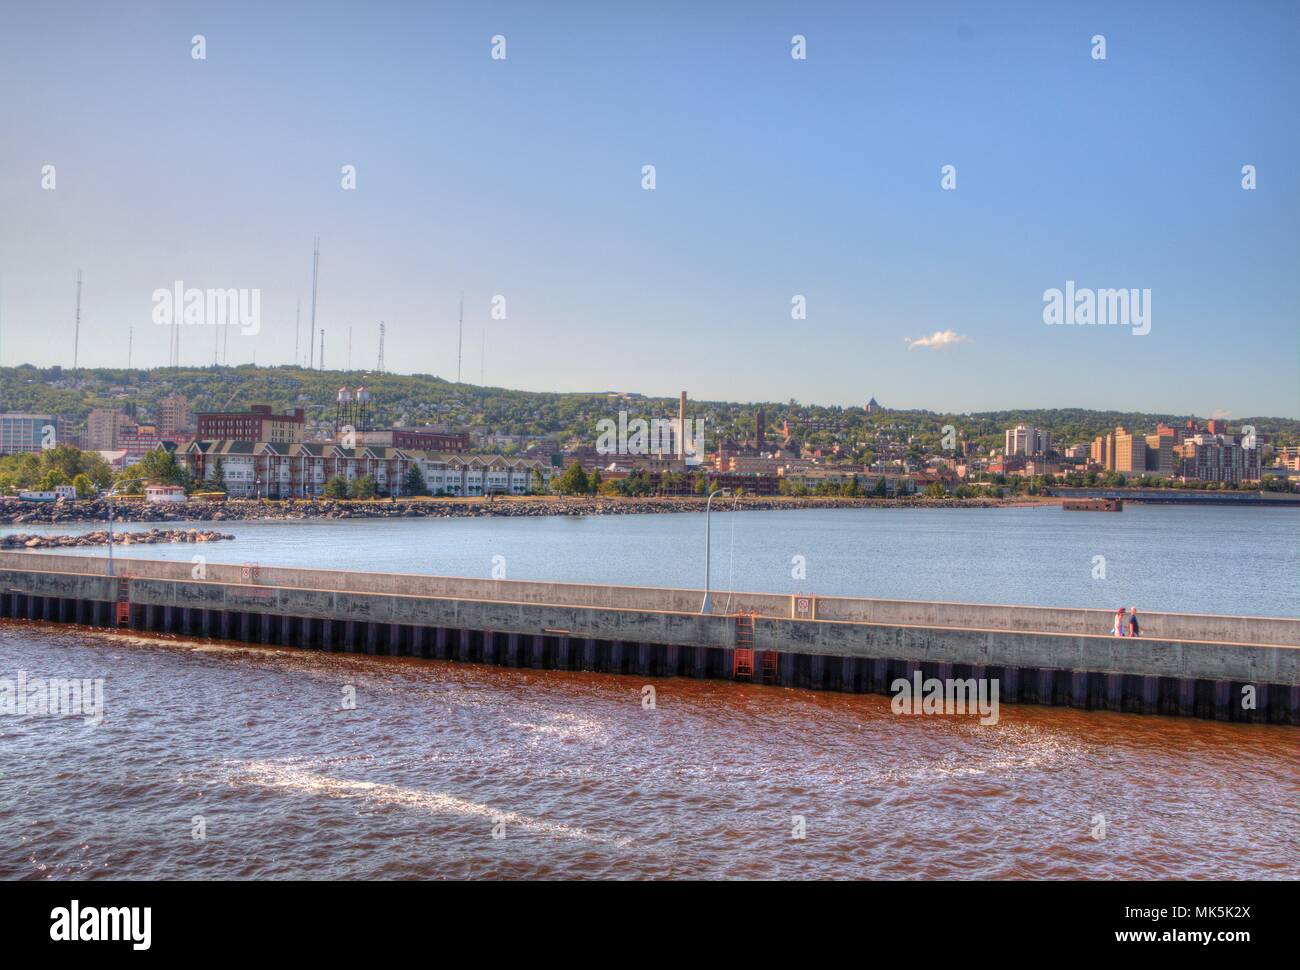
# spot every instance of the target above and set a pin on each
(1219, 458)
(1160, 454)
(20, 431)
(1130, 452)
(265, 469)
(256, 424)
(420, 439)
(137, 440)
(1120, 451)
(102, 428)
(1169, 430)
(173, 415)
(1025, 439)
(1102, 451)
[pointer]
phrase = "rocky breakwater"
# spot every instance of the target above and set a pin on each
(13, 512)
(100, 538)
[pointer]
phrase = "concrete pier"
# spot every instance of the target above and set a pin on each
(1229, 668)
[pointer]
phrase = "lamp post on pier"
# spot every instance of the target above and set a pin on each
(707, 606)
(109, 496)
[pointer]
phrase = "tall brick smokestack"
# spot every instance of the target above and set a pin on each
(681, 427)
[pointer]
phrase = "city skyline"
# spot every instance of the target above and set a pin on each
(776, 179)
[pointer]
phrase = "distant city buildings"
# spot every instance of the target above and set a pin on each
(173, 415)
(258, 423)
(1193, 454)
(424, 439)
(254, 451)
(102, 428)
(1130, 452)
(1219, 458)
(137, 440)
(21, 431)
(1027, 440)
(108, 430)
(257, 453)
(1160, 454)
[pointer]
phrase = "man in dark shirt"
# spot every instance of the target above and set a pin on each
(1133, 621)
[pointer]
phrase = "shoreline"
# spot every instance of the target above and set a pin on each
(13, 512)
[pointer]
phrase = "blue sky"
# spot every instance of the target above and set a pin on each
(775, 177)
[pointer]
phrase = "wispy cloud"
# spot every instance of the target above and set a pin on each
(937, 340)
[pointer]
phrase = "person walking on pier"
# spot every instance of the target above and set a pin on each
(1133, 621)
(1118, 628)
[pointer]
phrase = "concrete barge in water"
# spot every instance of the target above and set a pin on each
(1184, 664)
(1093, 504)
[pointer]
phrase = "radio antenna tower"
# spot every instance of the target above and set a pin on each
(315, 272)
(460, 334)
(76, 334)
(176, 344)
(380, 368)
(322, 348)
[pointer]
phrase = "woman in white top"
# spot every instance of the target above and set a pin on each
(1118, 628)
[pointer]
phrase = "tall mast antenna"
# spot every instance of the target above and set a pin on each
(322, 348)
(460, 335)
(315, 272)
(380, 368)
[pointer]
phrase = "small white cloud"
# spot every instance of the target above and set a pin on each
(1218, 414)
(937, 340)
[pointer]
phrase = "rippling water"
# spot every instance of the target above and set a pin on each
(588, 783)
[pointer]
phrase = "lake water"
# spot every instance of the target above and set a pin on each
(449, 770)
(1201, 559)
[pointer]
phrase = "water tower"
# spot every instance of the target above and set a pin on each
(362, 410)
(343, 408)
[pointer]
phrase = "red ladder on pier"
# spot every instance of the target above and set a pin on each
(771, 671)
(124, 602)
(742, 662)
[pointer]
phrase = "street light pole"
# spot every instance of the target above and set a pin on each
(109, 496)
(707, 607)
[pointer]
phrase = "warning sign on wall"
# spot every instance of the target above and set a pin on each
(803, 607)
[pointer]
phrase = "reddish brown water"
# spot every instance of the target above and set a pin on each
(585, 782)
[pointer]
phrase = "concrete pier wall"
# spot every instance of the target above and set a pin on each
(1150, 674)
(1038, 619)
